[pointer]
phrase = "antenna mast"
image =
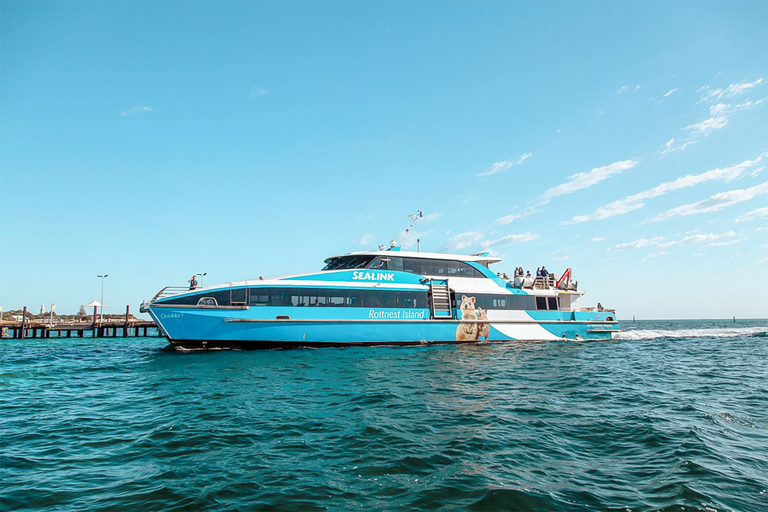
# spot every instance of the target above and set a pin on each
(408, 229)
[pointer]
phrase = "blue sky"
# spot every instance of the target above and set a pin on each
(155, 140)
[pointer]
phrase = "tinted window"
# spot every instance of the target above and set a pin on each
(221, 297)
(346, 262)
(239, 296)
(501, 301)
(411, 265)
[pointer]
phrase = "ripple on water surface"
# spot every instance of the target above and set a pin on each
(672, 415)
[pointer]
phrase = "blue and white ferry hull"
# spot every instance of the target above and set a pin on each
(379, 306)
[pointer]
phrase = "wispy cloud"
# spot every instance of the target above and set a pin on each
(461, 241)
(635, 201)
(257, 91)
(575, 183)
(671, 146)
(508, 239)
(729, 242)
(469, 239)
(759, 213)
(659, 243)
(714, 203)
(625, 88)
(364, 240)
(719, 113)
(136, 110)
(530, 210)
(584, 180)
(503, 166)
(712, 123)
(669, 93)
(729, 91)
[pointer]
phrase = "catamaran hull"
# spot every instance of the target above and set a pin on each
(207, 329)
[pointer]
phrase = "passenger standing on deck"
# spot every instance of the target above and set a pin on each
(544, 272)
(193, 283)
(538, 271)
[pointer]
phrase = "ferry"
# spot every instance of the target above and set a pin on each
(381, 297)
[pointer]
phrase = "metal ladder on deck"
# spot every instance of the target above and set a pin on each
(441, 299)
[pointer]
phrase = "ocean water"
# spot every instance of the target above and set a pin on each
(672, 415)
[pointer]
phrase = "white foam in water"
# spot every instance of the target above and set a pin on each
(712, 332)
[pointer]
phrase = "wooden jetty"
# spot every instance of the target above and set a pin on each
(124, 327)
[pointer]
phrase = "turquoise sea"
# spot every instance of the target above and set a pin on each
(672, 415)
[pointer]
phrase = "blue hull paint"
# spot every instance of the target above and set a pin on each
(201, 328)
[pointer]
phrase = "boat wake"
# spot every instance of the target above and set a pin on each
(713, 332)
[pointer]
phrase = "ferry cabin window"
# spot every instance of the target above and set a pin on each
(239, 296)
(321, 297)
(347, 262)
(221, 297)
(442, 268)
(421, 266)
(550, 303)
(497, 301)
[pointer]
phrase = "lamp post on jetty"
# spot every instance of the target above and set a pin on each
(101, 318)
(202, 279)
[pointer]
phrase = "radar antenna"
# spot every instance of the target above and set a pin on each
(408, 229)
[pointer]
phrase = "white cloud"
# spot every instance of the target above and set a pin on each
(667, 94)
(136, 110)
(530, 210)
(597, 239)
(365, 240)
(671, 147)
(731, 90)
(719, 113)
(584, 180)
(257, 91)
(729, 242)
(714, 203)
(509, 218)
(612, 209)
(659, 244)
(503, 166)
(431, 217)
(759, 213)
(625, 88)
(461, 241)
(634, 202)
(637, 244)
(697, 239)
(706, 126)
(509, 239)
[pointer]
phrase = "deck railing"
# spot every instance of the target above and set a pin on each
(169, 291)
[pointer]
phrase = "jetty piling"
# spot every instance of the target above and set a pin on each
(120, 327)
